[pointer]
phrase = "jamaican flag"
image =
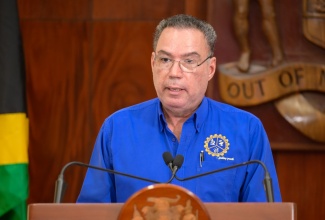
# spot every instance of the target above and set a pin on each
(13, 117)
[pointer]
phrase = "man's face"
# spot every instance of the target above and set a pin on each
(179, 91)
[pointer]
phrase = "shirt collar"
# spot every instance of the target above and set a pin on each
(198, 116)
(201, 114)
(162, 121)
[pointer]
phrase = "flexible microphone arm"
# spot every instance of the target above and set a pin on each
(267, 179)
(60, 185)
(174, 165)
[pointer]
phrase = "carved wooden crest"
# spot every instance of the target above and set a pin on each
(163, 201)
(287, 86)
(296, 88)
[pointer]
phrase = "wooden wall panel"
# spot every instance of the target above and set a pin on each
(301, 177)
(197, 8)
(56, 56)
(121, 74)
(136, 10)
(55, 9)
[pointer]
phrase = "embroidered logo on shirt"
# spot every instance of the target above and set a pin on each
(216, 145)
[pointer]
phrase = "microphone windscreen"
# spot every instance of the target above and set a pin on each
(178, 161)
(168, 158)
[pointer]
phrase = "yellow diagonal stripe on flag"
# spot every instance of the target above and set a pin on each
(13, 138)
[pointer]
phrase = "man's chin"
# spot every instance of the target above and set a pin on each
(174, 102)
(174, 106)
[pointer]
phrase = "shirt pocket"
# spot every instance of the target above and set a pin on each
(217, 186)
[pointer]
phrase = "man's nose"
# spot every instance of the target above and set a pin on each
(176, 69)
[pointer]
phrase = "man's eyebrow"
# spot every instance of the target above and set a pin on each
(191, 54)
(163, 52)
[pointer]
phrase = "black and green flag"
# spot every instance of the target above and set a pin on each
(13, 117)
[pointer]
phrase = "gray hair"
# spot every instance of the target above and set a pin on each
(183, 22)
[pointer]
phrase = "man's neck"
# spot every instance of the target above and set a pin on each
(175, 122)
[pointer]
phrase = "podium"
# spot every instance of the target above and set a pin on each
(230, 211)
(162, 201)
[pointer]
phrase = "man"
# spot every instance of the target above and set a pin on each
(210, 135)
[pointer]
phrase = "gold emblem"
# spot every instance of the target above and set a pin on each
(216, 145)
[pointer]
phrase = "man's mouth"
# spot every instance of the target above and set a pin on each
(175, 89)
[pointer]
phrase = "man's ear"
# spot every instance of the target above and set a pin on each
(152, 59)
(212, 67)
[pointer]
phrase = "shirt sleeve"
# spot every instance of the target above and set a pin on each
(253, 189)
(98, 186)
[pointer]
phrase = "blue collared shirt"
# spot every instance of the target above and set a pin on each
(132, 141)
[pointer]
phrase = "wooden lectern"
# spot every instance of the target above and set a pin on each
(162, 201)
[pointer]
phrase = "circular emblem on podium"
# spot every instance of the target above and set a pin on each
(163, 201)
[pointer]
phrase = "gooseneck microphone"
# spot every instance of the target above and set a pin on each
(176, 163)
(60, 185)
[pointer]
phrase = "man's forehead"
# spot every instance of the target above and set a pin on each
(184, 41)
(182, 30)
(188, 54)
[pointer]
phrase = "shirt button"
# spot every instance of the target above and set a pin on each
(174, 139)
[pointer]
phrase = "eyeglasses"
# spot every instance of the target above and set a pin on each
(188, 65)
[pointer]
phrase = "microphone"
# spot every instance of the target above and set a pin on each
(177, 163)
(267, 179)
(173, 164)
(168, 158)
(60, 185)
